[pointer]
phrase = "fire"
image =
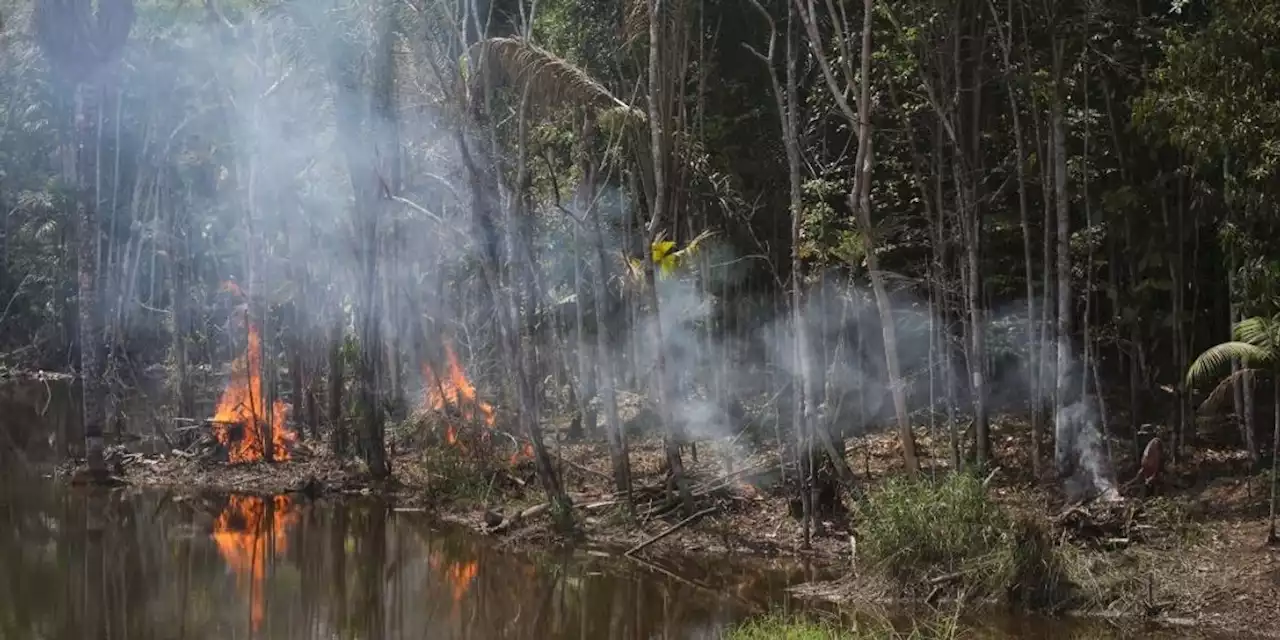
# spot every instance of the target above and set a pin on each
(241, 412)
(455, 391)
(525, 452)
(242, 532)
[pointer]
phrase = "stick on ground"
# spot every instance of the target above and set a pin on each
(670, 530)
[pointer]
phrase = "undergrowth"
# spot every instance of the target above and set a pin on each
(455, 476)
(949, 536)
(463, 467)
(789, 627)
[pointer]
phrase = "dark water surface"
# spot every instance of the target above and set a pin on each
(132, 564)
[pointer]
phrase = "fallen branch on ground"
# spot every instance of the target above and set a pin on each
(520, 516)
(670, 530)
(586, 470)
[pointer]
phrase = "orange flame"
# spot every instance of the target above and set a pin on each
(525, 453)
(242, 532)
(455, 390)
(242, 409)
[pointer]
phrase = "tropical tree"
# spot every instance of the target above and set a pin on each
(1256, 345)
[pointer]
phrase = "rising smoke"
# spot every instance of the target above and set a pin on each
(260, 135)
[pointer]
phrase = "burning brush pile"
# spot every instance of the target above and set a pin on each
(243, 422)
(461, 419)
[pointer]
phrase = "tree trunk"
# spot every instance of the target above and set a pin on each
(608, 374)
(860, 202)
(605, 370)
(338, 430)
(1275, 457)
(297, 392)
(1059, 136)
(179, 258)
(585, 383)
(90, 338)
(660, 86)
(368, 132)
(1028, 260)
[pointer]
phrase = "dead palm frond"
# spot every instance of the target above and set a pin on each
(1222, 392)
(552, 80)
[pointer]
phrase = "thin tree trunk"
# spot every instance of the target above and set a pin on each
(179, 258)
(788, 111)
(297, 391)
(524, 360)
(91, 379)
(1028, 261)
(338, 431)
(660, 143)
(1275, 457)
(1059, 135)
(585, 383)
(862, 206)
(605, 370)
(1242, 383)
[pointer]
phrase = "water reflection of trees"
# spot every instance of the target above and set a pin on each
(352, 571)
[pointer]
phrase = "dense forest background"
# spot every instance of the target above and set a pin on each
(804, 219)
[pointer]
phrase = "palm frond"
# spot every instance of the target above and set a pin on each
(1257, 331)
(1218, 357)
(552, 79)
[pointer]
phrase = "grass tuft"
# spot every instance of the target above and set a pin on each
(950, 536)
(791, 627)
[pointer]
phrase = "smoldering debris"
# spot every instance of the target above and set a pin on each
(1081, 456)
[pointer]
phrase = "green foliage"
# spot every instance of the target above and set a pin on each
(917, 530)
(1254, 344)
(454, 475)
(1217, 94)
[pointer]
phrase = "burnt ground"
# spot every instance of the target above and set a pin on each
(1192, 553)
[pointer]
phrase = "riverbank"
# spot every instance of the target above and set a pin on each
(1192, 555)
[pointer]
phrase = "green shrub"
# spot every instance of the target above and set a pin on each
(949, 534)
(448, 474)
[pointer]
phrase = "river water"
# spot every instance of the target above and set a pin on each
(137, 564)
